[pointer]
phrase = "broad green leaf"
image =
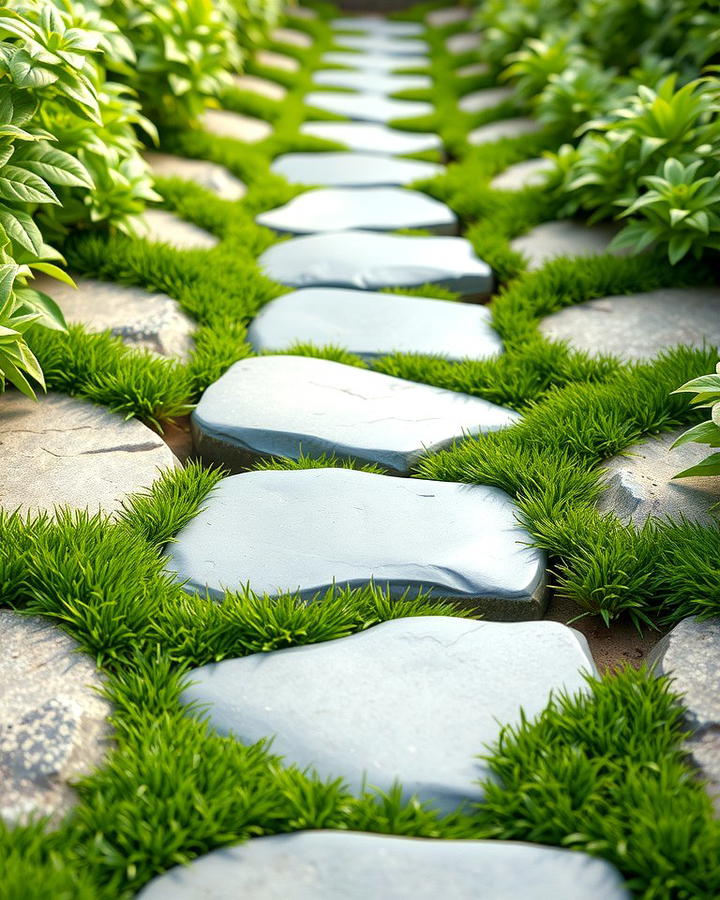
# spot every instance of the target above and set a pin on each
(20, 228)
(702, 384)
(709, 466)
(26, 73)
(53, 272)
(704, 433)
(55, 166)
(17, 184)
(37, 303)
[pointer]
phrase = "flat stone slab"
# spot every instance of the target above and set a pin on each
(464, 42)
(377, 25)
(253, 411)
(369, 261)
(641, 484)
(271, 60)
(504, 128)
(53, 723)
(352, 169)
(367, 107)
(164, 227)
(262, 86)
(385, 83)
(306, 530)
(448, 15)
(473, 69)
(371, 324)
(640, 326)
(382, 44)
(375, 62)
(371, 209)
(529, 173)
(228, 124)
(485, 99)
(142, 319)
(566, 237)
(359, 708)
(369, 137)
(291, 37)
(312, 865)
(59, 450)
(207, 174)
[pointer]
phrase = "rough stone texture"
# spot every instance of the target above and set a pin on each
(367, 107)
(566, 237)
(352, 169)
(316, 865)
(262, 86)
(503, 128)
(640, 326)
(375, 62)
(371, 82)
(53, 725)
(381, 44)
(371, 209)
(529, 173)
(690, 654)
(291, 37)
(374, 324)
(208, 175)
(641, 484)
(377, 25)
(271, 60)
(228, 124)
(368, 137)
(164, 227)
(464, 42)
(473, 69)
(370, 261)
(411, 699)
(58, 450)
(448, 15)
(485, 99)
(149, 321)
(306, 530)
(252, 411)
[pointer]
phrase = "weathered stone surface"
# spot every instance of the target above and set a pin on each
(371, 82)
(352, 169)
(448, 15)
(374, 324)
(382, 45)
(566, 237)
(377, 25)
(303, 531)
(252, 411)
(640, 326)
(228, 124)
(314, 865)
(271, 60)
(207, 174)
(58, 450)
(485, 99)
(503, 128)
(641, 484)
(164, 227)
(529, 173)
(291, 37)
(375, 62)
(371, 209)
(262, 86)
(367, 107)
(369, 137)
(473, 69)
(53, 724)
(149, 321)
(464, 42)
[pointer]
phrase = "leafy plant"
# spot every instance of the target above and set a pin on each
(707, 396)
(532, 67)
(582, 90)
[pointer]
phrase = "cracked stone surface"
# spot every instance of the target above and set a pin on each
(375, 62)
(371, 209)
(503, 128)
(485, 99)
(371, 137)
(312, 865)
(372, 324)
(566, 237)
(529, 173)
(449, 15)
(378, 26)
(228, 124)
(271, 60)
(465, 42)
(367, 107)
(252, 411)
(262, 86)
(164, 227)
(382, 45)
(53, 725)
(461, 542)
(352, 169)
(291, 37)
(371, 82)
(360, 708)
(142, 319)
(79, 454)
(208, 175)
(371, 261)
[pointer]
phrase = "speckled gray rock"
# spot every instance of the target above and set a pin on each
(377, 25)
(228, 124)
(316, 865)
(372, 137)
(381, 44)
(566, 237)
(529, 173)
(360, 708)
(303, 531)
(271, 60)
(53, 724)
(372, 209)
(448, 15)
(503, 128)
(641, 484)
(485, 99)
(262, 86)
(375, 62)
(464, 42)
(367, 107)
(352, 169)
(371, 82)
(208, 175)
(163, 227)
(59, 450)
(690, 655)
(252, 411)
(370, 261)
(291, 37)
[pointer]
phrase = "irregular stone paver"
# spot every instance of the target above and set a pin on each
(369, 137)
(371, 261)
(262, 86)
(207, 174)
(529, 173)
(464, 42)
(372, 324)
(566, 237)
(352, 169)
(304, 531)
(642, 484)
(371, 82)
(690, 655)
(367, 107)
(53, 723)
(473, 69)
(504, 128)
(640, 326)
(291, 37)
(78, 453)
(271, 60)
(164, 227)
(252, 411)
(485, 99)
(372, 209)
(228, 124)
(377, 25)
(360, 708)
(142, 319)
(315, 865)
(375, 62)
(449, 15)
(379, 43)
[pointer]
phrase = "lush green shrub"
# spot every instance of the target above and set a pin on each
(707, 396)
(254, 19)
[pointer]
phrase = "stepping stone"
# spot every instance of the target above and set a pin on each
(504, 128)
(291, 37)
(377, 25)
(470, 71)
(529, 173)
(464, 42)
(375, 62)
(304, 531)
(53, 722)
(449, 15)
(485, 99)
(252, 412)
(352, 169)
(302, 12)
(371, 82)
(207, 174)
(317, 864)
(142, 319)
(370, 262)
(271, 60)
(566, 237)
(163, 227)
(262, 86)
(639, 326)
(228, 124)
(372, 209)
(641, 483)
(368, 137)
(379, 43)
(359, 708)
(367, 107)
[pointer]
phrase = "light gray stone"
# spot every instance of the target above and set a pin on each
(641, 482)
(352, 169)
(375, 62)
(367, 107)
(464, 42)
(382, 45)
(291, 37)
(371, 82)
(271, 60)
(318, 865)
(262, 86)
(377, 25)
(503, 128)
(207, 174)
(228, 124)
(525, 174)
(414, 700)
(566, 237)
(59, 450)
(370, 261)
(485, 99)
(53, 723)
(448, 15)
(369, 137)
(163, 227)
(252, 411)
(304, 531)
(302, 12)
(371, 209)
(373, 324)
(470, 71)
